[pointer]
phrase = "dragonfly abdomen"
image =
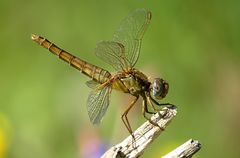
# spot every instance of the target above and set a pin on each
(96, 73)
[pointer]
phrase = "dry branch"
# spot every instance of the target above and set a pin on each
(144, 135)
(186, 150)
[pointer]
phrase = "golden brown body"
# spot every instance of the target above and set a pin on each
(92, 71)
(122, 53)
(131, 81)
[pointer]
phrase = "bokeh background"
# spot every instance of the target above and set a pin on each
(194, 45)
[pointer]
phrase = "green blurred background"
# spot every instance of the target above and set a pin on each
(194, 45)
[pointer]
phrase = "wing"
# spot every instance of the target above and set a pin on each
(130, 33)
(97, 103)
(113, 54)
(92, 84)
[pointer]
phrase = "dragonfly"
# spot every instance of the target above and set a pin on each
(122, 53)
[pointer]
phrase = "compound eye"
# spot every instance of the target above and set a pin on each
(157, 87)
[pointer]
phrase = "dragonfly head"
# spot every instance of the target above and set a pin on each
(159, 88)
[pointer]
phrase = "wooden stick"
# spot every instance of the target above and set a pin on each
(186, 150)
(144, 135)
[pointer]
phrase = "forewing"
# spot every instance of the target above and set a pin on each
(130, 33)
(97, 103)
(112, 53)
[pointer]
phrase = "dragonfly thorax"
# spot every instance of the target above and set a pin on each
(133, 82)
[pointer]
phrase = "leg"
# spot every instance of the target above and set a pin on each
(144, 110)
(161, 104)
(124, 116)
(151, 104)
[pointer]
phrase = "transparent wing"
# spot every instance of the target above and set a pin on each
(130, 33)
(113, 54)
(97, 103)
(92, 84)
